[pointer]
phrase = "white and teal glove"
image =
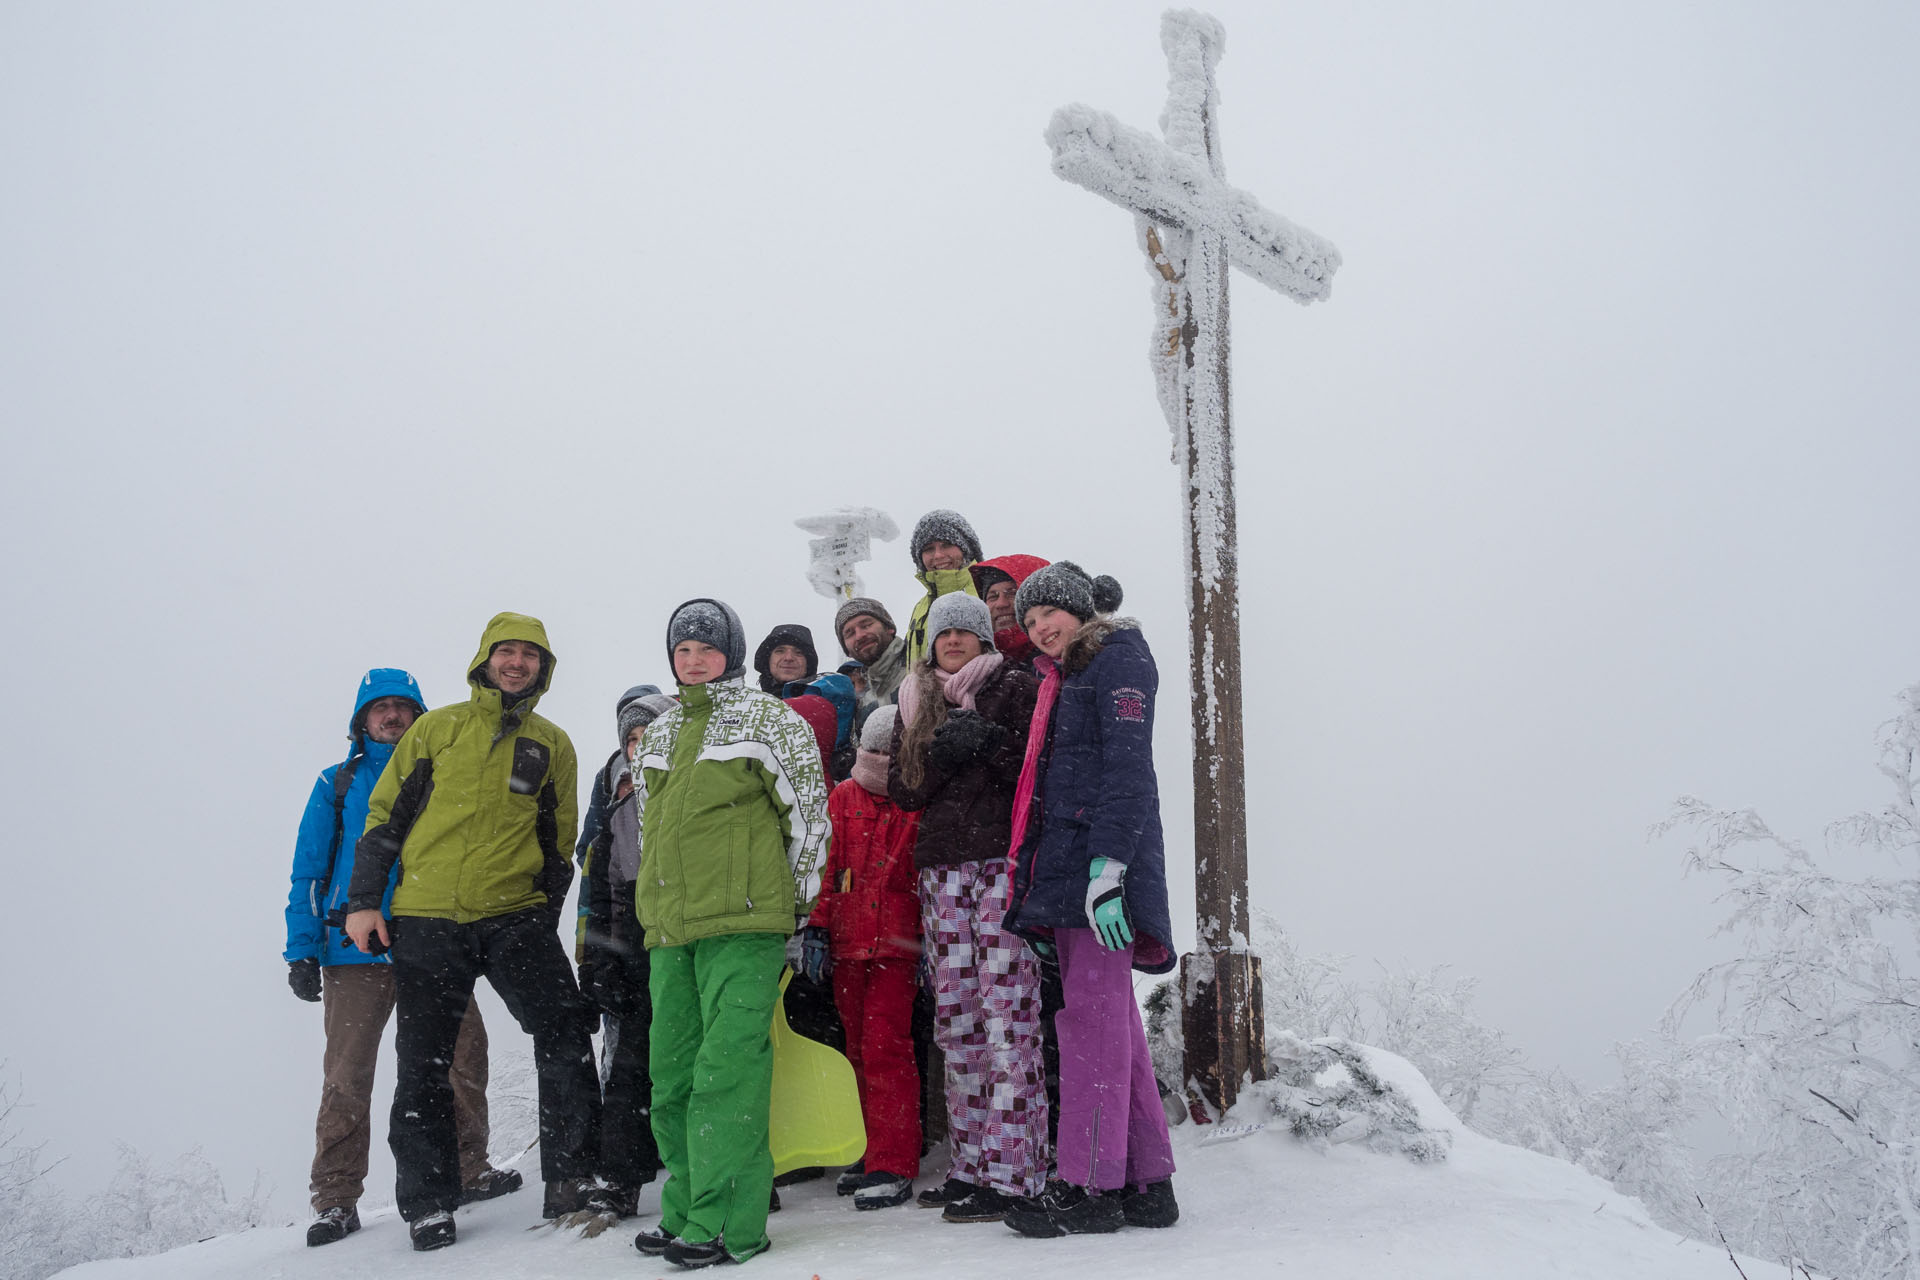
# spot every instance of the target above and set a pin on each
(1107, 903)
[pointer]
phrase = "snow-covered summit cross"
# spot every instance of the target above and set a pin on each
(1192, 224)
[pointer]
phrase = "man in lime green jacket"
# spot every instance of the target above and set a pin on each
(477, 805)
(733, 832)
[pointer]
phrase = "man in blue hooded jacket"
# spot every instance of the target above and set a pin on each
(357, 988)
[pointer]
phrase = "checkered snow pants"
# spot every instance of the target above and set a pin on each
(986, 1019)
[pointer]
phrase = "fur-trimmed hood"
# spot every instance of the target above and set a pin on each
(1090, 639)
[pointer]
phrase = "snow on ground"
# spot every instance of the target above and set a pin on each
(1267, 1205)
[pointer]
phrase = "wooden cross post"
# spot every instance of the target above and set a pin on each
(1191, 225)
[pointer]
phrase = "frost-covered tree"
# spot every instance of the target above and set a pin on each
(143, 1210)
(1815, 1052)
(33, 1217)
(148, 1209)
(1428, 1019)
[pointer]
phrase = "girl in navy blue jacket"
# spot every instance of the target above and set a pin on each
(1090, 879)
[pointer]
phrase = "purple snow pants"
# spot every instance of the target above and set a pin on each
(1113, 1131)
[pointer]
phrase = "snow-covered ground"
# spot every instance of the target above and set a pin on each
(1265, 1205)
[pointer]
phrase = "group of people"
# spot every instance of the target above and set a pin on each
(964, 815)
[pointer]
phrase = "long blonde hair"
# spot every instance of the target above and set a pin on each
(929, 715)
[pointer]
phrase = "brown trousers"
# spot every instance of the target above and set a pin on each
(357, 1001)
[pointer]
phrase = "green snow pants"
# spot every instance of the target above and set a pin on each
(711, 1055)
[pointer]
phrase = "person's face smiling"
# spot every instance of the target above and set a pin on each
(513, 666)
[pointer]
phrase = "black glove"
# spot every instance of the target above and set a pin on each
(965, 737)
(603, 984)
(304, 977)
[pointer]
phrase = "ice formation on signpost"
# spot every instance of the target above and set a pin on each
(844, 541)
(1191, 225)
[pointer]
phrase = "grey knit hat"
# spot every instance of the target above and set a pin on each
(1065, 585)
(637, 691)
(877, 734)
(947, 526)
(643, 710)
(857, 606)
(710, 622)
(958, 611)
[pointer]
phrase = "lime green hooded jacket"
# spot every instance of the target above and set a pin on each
(477, 804)
(733, 816)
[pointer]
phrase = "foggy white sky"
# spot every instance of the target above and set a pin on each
(328, 331)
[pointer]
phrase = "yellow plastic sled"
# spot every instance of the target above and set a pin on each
(815, 1117)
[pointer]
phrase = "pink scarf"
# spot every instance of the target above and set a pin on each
(958, 686)
(870, 771)
(1030, 767)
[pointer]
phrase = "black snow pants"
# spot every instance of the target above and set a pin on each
(628, 1156)
(435, 965)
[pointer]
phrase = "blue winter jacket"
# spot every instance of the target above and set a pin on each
(314, 892)
(1097, 795)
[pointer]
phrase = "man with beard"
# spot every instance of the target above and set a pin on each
(866, 632)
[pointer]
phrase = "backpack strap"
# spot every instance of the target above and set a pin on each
(342, 780)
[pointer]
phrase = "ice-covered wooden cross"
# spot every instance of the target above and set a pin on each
(1192, 224)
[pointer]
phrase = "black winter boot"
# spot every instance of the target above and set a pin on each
(333, 1224)
(1152, 1205)
(692, 1254)
(435, 1231)
(654, 1242)
(882, 1190)
(1064, 1209)
(981, 1204)
(492, 1183)
(944, 1194)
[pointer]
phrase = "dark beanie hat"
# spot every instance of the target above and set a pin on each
(947, 526)
(643, 710)
(786, 633)
(710, 622)
(857, 606)
(1065, 585)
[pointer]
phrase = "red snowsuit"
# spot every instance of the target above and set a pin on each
(870, 908)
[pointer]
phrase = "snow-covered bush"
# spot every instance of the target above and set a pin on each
(1815, 1053)
(143, 1210)
(1327, 1091)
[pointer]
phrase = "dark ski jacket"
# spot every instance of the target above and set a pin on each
(967, 815)
(1096, 795)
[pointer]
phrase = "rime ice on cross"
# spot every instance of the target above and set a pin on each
(1192, 224)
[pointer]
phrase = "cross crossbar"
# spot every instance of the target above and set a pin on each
(1144, 175)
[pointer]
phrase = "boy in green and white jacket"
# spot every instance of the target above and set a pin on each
(733, 831)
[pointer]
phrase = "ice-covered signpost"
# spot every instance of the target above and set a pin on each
(1191, 225)
(844, 541)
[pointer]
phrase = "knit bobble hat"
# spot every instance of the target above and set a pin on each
(643, 710)
(1065, 585)
(958, 611)
(877, 735)
(710, 622)
(946, 526)
(857, 606)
